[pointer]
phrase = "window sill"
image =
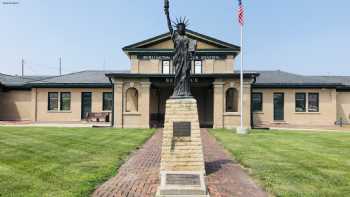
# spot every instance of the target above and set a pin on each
(279, 122)
(232, 114)
(132, 113)
(307, 112)
(59, 112)
(107, 111)
(258, 112)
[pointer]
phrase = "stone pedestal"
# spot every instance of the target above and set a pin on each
(182, 163)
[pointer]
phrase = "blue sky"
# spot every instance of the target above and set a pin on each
(301, 36)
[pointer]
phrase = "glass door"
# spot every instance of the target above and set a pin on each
(85, 104)
(278, 106)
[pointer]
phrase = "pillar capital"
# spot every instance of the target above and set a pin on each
(145, 84)
(118, 84)
(218, 83)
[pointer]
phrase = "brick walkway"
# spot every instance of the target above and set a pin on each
(138, 177)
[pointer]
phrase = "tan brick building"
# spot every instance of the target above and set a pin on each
(136, 98)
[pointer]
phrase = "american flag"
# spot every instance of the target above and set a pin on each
(240, 13)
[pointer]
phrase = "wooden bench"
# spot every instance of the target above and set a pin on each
(97, 116)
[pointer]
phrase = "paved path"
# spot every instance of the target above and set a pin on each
(138, 177)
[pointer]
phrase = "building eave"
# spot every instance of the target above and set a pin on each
(214, 75)
(343, 88)
(170, 52)
(296, 85)
(71, 85)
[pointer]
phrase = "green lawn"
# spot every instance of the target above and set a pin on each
(62, 161)
(294, 163)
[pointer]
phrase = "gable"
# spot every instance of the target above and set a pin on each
(168, 44)
(163, 43)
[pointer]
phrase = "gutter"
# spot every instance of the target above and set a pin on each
(162, 76)
(343, 88)
(296, 85)
(112, 119)
(70, 85)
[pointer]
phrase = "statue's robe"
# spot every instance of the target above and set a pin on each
(184, 50)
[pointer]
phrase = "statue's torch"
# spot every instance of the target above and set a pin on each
(166, 4)
(166, 7)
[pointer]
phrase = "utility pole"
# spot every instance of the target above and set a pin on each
(60, 62)
(22, 62)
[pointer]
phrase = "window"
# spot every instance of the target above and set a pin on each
(313, 102)
(53, 101)
(198, 67)
(166, 67)
(257, 99)
(231, 100)
(300, 102)
(107, 101)
(65, 101)
(132, 98)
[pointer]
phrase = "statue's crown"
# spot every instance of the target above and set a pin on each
(181, 21)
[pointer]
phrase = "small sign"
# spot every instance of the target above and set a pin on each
(167, 57)
(183, 179)
(182, 129)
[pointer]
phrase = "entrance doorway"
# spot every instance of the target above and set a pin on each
(203, 95)
(85, 104)
(278, 106)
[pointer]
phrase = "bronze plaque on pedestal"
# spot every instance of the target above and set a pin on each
(182, 129)
(183, 179)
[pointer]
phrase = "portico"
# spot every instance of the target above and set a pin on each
(139, 99)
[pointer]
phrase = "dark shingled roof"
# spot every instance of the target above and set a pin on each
(88, 78)
(344, 80)
(12, 81)
(37, 77)
(18, 81)
(285, 79)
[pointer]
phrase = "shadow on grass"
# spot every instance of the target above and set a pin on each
(214, 166)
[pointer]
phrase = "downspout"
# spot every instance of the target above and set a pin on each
(251, 104)
(112, 119)
(122, 107)
(36, 105)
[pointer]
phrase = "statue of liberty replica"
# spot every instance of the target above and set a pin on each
(182, 168)
(184, 49)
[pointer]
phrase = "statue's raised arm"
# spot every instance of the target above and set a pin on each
(166, 10)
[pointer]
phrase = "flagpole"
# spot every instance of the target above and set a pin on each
(241, 129)
(241, 78)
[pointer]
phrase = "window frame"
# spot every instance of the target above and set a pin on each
(317, 102)
(169, 67)
(305, 101)
(61, 101)
(49, 100)
(104, 101)
(201, 71)
(234, 102)
(261, 101)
